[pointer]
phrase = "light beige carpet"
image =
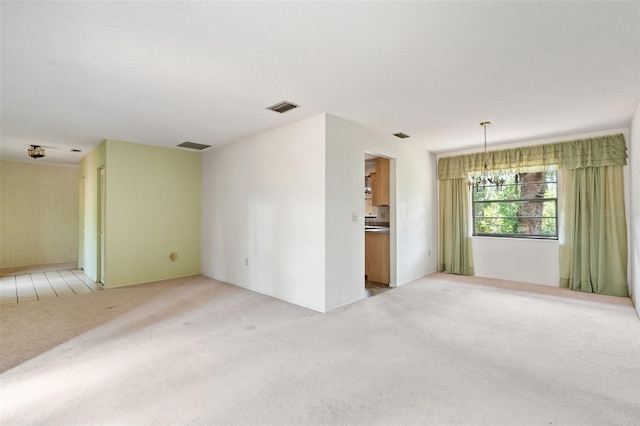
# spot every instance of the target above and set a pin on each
(435, 351)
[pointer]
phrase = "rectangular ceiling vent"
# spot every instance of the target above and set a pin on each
(193, 145)
(283, 106)
(401, 135)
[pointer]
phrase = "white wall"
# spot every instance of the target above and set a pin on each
(634, 208)
(285, 200)
(263, 200)
(517, 259)
(412, 212)
(523, 260)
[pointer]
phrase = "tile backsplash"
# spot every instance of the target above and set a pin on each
(383, 213)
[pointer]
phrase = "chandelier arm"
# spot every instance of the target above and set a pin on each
(486, 177)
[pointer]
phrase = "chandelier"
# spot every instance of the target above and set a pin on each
(35, 151)
(485, 176)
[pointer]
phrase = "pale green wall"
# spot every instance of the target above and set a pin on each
(152, 209)
(38, 214)
(89, 167)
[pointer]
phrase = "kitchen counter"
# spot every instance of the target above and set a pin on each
(370, 228)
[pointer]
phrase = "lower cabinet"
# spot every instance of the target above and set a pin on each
(376, 250)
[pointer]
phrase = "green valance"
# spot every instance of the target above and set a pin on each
(609, 150)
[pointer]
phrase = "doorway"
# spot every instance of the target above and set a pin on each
(101, 223)
(378, 224)
(81, 220)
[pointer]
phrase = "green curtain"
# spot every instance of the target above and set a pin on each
(454, 242)
(593, 244)
(609, 150)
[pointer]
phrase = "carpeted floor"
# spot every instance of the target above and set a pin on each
(440, 350)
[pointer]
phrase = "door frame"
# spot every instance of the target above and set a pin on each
(101, 237)
(392, 216)
(81, 220)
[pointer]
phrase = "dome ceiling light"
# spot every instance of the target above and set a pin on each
(35, 151)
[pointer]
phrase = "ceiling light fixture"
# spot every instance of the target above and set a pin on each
(485, 176)
(35, 151)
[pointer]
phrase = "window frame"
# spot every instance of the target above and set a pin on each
(519, 200)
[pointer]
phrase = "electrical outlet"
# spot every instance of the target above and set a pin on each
(174, 255)
(354, 217)
(383, 215)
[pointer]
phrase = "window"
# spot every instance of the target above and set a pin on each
(525, 206)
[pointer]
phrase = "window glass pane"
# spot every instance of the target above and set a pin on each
(496, 225)
(524, 206)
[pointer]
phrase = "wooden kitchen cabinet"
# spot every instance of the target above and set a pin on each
(380, 183)
(376, 249)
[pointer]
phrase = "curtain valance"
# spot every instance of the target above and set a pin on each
(609, 150)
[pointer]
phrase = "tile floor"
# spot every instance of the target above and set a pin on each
(372, 288)
(26, 287)
(45, 285)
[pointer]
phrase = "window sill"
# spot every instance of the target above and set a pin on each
(511, 238)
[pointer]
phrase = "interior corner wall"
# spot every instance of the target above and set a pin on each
(39, 214)
(263, 213)
(152, 210)
(413, 217)
(634, 208)
(89, 171)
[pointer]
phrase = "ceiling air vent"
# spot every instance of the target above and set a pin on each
(283, 106)
(193, 145)
(401, 135)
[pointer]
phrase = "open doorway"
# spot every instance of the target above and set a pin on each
(377, 224)
(102, 214)
(81, 200)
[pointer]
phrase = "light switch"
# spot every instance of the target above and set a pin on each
(354, 217)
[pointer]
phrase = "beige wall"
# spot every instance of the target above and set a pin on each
(152, 209)
(38, 214)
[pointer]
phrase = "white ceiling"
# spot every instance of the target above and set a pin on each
(161, 73)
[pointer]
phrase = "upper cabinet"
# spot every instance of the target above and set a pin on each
(380, 183)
